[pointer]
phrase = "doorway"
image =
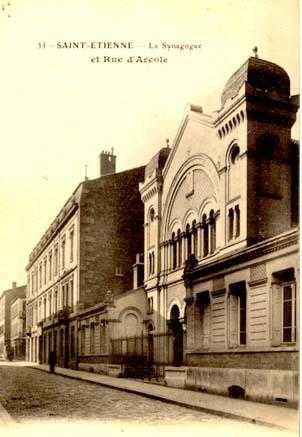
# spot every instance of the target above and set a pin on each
(177, 336)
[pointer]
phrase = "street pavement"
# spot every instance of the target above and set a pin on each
(31, 396)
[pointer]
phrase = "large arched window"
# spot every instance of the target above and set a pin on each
(189, 240)
(194, 233)
(212, 231)
(179, 248)
(174, 252)
(205, 228)
(234, 172)
(150, 264)
(234, 154)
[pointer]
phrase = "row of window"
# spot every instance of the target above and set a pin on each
(102, 340)
(53, 301)
(231, 124)
(190, 238)
(50, 266)
(184, 244)
(288, 312)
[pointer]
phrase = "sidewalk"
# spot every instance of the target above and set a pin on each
(271, 415)
(5, 418)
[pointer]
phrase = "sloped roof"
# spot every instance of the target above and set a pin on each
(260, 74)
(157, 162)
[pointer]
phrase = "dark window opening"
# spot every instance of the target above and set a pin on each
(239, 289)
(174, 252)
(234, 155)
(72, 342)
(231, 223)
(205, 227)
(242, 318)
(152, 214)
(92, 338)
(237, 214)
(212, 231)
(189, 240)
(179, 242)
(194, 232)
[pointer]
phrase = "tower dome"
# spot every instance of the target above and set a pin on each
(260, 75)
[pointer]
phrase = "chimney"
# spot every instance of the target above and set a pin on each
(14, 285)
(107, 163)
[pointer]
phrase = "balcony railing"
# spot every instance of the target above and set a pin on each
(63, 314)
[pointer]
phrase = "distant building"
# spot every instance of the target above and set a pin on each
(17, 330)
(87, 250)
(6, 300)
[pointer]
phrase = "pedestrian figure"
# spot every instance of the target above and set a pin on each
(52, 361)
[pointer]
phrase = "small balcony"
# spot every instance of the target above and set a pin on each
(63, 314)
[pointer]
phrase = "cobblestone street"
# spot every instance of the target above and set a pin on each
(31, 395)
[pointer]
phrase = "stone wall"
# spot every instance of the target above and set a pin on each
(111, 234)
(258, 384)
(283, 360)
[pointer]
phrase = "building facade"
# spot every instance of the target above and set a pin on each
(17, 328)
(194, 277)
(221, 241)
(88, 250)
(7, 298)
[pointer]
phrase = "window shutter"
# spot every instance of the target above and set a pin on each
(233, 321)
(276, 315)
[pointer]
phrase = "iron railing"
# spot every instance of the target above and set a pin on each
(144, 355)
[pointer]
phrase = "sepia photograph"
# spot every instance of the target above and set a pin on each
(149, 217)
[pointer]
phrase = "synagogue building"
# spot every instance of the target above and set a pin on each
(186, 269)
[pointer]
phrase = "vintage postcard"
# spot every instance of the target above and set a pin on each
(149, 207)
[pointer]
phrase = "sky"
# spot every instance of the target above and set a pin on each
(59, 110)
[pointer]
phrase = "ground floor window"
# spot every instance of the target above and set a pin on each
(242, 318)
(289, 312)
(72, 342)
(284, 307)
(92, 338)
(83, 341)
(237, 314)
(61, 342)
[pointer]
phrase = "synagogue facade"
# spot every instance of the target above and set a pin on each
(221, 240)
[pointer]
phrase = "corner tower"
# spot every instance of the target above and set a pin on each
(260, 158)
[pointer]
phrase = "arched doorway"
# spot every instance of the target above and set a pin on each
(177, 332)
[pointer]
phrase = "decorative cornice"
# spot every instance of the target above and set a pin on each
(65, 214)
(242, 255)
(257, 282)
